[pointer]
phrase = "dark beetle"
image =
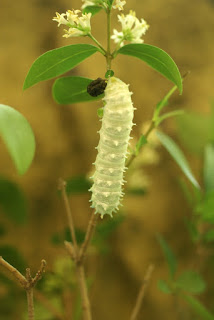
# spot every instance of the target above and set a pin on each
(96, 87)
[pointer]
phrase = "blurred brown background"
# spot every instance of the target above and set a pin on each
(66, 137)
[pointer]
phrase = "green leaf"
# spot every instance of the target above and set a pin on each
(92, 9)
(164, 287)
(209, 167)
(206, 207)
(191, 281)
(78, 184)
(141, 142)
(109, 73)
(178, 156)
(169, 255)
(155, 58)
(14, 257)
(58, 61)
(70, 90)
(16, 209)
(18, 137)
(198, 308)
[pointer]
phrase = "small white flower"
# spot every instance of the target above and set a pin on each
(98, 3)
(132, 29)
(79, 26)
(119, 4)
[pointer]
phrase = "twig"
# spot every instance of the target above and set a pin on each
(141, 293)
(89, 233)
(27, 283)
(62, 186)
(73, 251)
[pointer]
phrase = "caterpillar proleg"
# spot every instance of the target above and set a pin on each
(112, 148)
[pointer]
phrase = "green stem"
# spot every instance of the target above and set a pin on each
(103, 51)
(108, 54)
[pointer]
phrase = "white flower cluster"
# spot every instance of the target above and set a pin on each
(103, 3)
(132, 29)
(78, 26)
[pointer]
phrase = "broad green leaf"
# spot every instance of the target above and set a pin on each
(68, 90)
(57, 61)
(169, 255)
(178, 156)
(14, 257)
(18, 137)
(164, 287)
(209, 167)
(198, 308)
(191, 281)
(92, 9)
(155, 58)
(141, 142)
(78, 184)
(16, 210)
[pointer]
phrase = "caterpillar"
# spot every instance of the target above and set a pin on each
(115, 131)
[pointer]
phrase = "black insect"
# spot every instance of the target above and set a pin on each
(96, 87)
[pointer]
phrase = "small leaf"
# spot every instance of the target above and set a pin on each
(191, 281)
(18, 137)
(109, 73)
(57, 61)
(169, 255)
(164, 287)
(209, 167)
(14, 257)
(91, 9)
(178, 156)
(155, 58)
(68, 90)
(78, 184)
(198, 308)
(16, 209)
(100, 112)
(141, 142)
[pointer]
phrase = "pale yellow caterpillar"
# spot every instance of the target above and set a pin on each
(112, 148)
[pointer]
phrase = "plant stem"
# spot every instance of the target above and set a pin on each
(84, 292)
(30, 304)
(141, 293)
(108, 54)
(103, 51)
(133, 155)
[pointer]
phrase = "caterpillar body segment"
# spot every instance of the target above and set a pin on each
(112, 148)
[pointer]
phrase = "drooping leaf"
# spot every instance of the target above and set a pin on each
(209, 167)
(57, 61)
(15, 209)
(92, 9)
(14, 257)
(198, 308)
(191, 282)
(155, 58)
(169, 255)
(18, 137)
(164, 287)
(178, 156)
(68, 90)
(78, 184)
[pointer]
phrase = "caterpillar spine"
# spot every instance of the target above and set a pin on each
(112, 148)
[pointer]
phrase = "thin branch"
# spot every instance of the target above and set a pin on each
(141, 293)
(39, 273)
(62, 186)
(84, 292)
(29, 291)
(18, 276)
(89, 234)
